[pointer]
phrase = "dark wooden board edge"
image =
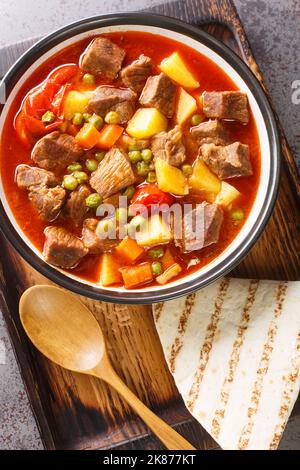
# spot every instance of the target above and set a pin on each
(178, 9)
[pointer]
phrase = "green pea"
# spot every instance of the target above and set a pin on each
(93, 200)
(48, 117)
(121, 215)
(97, 121)
(70, 183)
(156, 268)
(112, 117)
(74, 167)
(142, 168)
(133, 145)
(91, 164)
(237, 215)
(129, 192)
(135, 156)
(147, 155)
(156, 253)
(196, 119)
(77, 119)
(105, 226)
(187, 169)
(99, 156)
(86, 117)
(81, 176)
(151, 177)
(88, 79)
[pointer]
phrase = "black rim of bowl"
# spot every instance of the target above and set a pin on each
(171, 292)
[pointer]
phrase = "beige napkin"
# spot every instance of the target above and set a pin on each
(234, 351)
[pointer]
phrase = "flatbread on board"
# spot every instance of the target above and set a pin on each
(234, 351)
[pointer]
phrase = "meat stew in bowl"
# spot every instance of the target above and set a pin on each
(107, 137)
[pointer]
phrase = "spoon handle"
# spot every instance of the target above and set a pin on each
(167, 435)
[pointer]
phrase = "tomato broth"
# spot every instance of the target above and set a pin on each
(211, 78)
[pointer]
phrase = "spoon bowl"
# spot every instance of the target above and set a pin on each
(62, 328)
(65, 331)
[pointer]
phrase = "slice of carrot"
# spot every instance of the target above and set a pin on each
(109, 136)
(167, 259)
(134, 276)
(129, 250)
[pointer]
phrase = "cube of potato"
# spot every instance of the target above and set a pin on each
(155, 231)
(110, 273)
(170, 179)
(186, 106)
(204, 181)
(146, 122)
(227, 194)
(75, 102)
(175, 68)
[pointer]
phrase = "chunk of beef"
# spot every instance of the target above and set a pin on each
(113, 199)
(103, 58)
(108, 98)
(229, 161)
(113, 174)
(200, 227)
(76, 209)
(62, 248)
(44, 190)
(226, 105)
(27, 176)
(211, 132)
(93, 242)
(169, 146)
(55, 151)
(48, 201)
(159, 92)
(135, 75)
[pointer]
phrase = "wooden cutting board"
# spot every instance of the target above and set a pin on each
(78, 412)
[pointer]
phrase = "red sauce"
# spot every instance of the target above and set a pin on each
(210, 76)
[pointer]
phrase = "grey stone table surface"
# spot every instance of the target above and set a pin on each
(273, 28)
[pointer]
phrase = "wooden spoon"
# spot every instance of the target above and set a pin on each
(66, 332)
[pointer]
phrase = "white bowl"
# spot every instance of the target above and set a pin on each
(265, 122)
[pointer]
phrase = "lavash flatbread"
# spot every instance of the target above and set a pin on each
(234, 351)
